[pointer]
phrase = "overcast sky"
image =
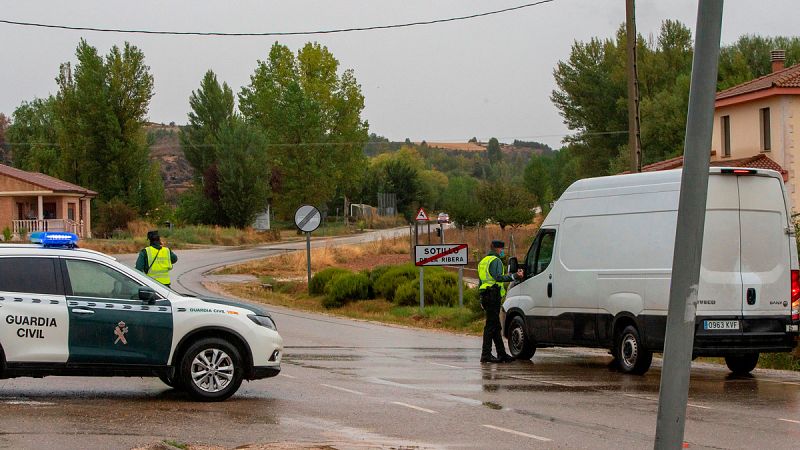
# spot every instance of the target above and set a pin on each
(484, 77)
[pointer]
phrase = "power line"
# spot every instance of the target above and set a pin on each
(322, 144)
(275, 33)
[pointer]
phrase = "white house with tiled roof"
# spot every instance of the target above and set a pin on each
(32, 201)
(761, 118)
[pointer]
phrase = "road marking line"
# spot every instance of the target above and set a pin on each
(446, 365)
(429, 411)
(791, 421)
(341, 389)
(519, 433)
(287, 376)
(698, 406)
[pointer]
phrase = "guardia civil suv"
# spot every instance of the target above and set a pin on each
(70, 311)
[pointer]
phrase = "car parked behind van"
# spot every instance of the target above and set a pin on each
(598, 272)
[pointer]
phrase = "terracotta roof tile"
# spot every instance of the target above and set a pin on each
(44, 181)
(787, 78)
(760, 161)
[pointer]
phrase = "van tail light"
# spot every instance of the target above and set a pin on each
(795, 295)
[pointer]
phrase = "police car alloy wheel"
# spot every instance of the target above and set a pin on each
(211, 369)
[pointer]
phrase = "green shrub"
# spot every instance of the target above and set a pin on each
(344, 288)
(320, 279)
(441, 289)
(472, 300)
(387, 283)
(112, 215)
(407, 294)
(377, 272)
(7, 234)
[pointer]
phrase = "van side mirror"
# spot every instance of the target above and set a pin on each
(513, 265)
(147, 295)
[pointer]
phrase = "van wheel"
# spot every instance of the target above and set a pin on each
(519, 344)
(630, 353)
(742, 364)
(211, 370)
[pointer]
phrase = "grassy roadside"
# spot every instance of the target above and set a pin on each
(292, 295)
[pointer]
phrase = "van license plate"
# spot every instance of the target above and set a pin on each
(721, 324)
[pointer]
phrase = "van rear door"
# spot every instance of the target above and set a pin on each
(720, 291)
(765, 247)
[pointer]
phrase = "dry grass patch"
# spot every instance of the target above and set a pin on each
(294, 263)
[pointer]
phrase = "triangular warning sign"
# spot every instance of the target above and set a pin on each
(421, 215)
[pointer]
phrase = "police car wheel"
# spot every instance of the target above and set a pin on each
(211, 370)
(519, 344)
(630, 353)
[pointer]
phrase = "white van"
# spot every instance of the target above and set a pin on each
(598, 273)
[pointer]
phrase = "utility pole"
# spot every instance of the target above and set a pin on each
(687, 256)
(634, 140)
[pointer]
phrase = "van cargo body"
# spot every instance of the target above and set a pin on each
(598, 273)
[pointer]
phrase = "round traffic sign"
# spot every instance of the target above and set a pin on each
(307, 218)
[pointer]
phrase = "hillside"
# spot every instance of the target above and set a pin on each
(165, 149)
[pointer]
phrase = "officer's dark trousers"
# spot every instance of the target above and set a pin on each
(490, 300)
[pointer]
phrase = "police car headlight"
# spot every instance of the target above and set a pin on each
(264, 321)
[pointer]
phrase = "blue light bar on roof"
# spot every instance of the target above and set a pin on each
(57, 239)
(36, 238)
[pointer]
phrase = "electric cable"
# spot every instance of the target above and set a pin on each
(275, 33)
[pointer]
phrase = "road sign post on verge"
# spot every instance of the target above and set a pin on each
(441, 255)
(679, 341)
(307, 219)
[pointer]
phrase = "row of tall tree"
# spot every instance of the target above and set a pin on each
(296, 138)
(91, 131)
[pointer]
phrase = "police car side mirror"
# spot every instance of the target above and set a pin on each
(147, 295)
(513, 265)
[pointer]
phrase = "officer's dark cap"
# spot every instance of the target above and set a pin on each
(153, 235)
(498, 244)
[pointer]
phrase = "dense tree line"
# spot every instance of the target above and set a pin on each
(91, 131)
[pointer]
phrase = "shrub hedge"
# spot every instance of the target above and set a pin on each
(387, 283)
(344, 288)
(320, 279)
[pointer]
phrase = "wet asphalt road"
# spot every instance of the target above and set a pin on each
(356, 384)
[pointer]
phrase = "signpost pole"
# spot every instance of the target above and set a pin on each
(674, 389)
(308, 257)
(460, 286)
(429, 233)
(441, 227)
(307, 219)
(421, 289)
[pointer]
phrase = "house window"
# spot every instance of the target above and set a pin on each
(766, 137)
(725, 122)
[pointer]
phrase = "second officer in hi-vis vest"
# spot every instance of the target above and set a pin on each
(492, 274)
(156, 260)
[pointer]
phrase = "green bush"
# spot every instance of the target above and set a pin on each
(7, 234)
(112, 215)
(344, 288)
(386, 285)
(441, 289)
(377, 272)
(320, 279)
(472, 300)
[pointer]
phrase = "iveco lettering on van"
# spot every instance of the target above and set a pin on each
(598, 272)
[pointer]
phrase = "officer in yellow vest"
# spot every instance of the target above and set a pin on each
(156, 260)
(492, 275)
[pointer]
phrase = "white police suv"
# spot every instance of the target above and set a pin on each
(70, 311)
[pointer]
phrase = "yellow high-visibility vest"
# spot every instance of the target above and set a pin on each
(160, 263)
(487, 280)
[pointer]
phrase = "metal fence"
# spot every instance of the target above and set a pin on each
(387, 204)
